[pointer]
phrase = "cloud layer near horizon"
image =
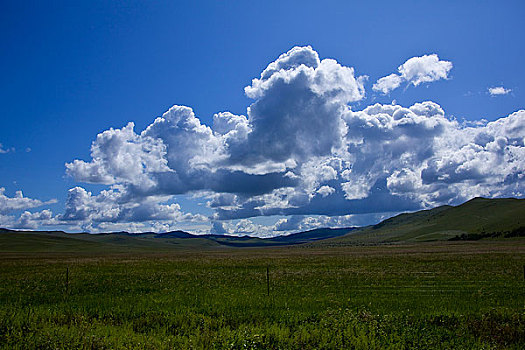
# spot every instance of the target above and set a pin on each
(20, 202)
(300, 150)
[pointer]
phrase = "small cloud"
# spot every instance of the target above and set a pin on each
(498, 90)
(325, 190)
(28, 149)
(415, 71)
(4, 150)
(388, 83)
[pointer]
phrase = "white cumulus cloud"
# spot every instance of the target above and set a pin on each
(28, 220)
(19, 202)
(301, 150)
(415, 71)
(113, 206)
(388, 83)
(498, 90)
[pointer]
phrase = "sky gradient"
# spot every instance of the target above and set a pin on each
(274, 116)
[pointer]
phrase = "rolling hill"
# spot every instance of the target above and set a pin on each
(475, 219)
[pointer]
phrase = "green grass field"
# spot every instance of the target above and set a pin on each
(465, 295)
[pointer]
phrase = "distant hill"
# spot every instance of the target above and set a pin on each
(475, 219)
(312, 235)
(295, 238)
(59, 241)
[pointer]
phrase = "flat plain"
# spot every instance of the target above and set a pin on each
(443, 295)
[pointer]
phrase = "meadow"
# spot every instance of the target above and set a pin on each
(440, 295)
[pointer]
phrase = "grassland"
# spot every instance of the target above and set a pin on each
(443, 295)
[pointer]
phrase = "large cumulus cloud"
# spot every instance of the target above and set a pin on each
(302, 150)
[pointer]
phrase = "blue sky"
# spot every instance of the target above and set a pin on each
(72, 70)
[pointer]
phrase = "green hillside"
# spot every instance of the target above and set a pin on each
(478, 218)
